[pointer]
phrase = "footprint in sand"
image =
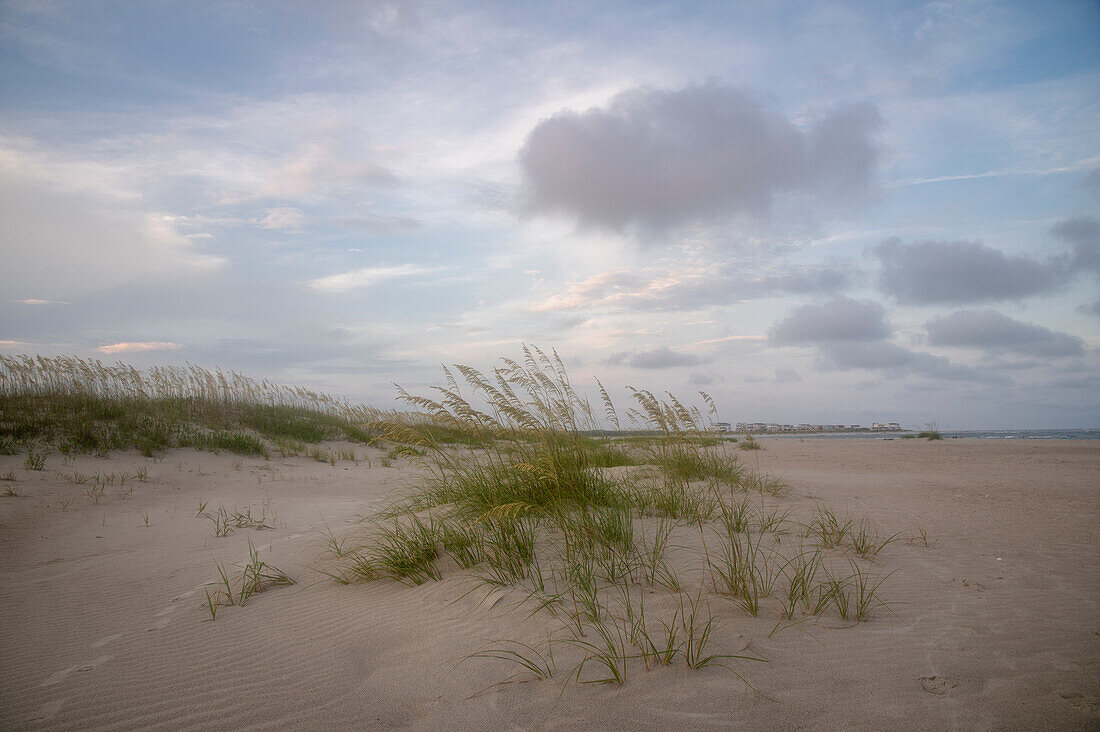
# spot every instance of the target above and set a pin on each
(937, 684)
(967, 584)
(58, 676)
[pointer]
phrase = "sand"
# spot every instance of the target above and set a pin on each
(994, 625)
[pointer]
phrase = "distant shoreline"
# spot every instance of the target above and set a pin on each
(1026, 434)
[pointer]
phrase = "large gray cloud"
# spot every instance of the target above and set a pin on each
(1083, 235)
(853, 334)
(655, 358)
(840, 319)
(894, 359)
(961, 272)
(659, 158)
(1091, 181)
(993, 331)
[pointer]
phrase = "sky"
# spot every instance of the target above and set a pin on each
(823, 212)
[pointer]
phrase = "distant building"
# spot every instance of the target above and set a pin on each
(722, 426)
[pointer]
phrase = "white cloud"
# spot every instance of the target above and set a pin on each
(58, 245)
(367, 277)
(323, 166)
(283, 218)
(139, 346)
(693, 287)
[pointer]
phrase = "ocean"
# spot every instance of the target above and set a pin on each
(1047, 434)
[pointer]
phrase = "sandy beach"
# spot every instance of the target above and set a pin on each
(992, 618)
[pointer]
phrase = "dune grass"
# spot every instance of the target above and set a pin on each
(523, 485)
(256, 576)
(539, 499)
(86, 406)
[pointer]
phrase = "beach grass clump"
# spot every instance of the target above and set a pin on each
(744, 570)
(256, 576)
(510, 548)
(800, 571)
(736, 517)
(674, 499)
(687, 462)
(763, 483)
(833, 533)
(218, 440)
(827, 528)
(538, 498)
(748, 442)
(34, 461)
(651, 557)
(866, 542)
(90, 407)
(225, 522)
(404, 551)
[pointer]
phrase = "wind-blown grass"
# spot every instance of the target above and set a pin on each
(520, 487)
(87, 406)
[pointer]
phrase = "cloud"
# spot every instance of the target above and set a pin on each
(961, 272)
(1083, 235)
(840, 319)
(784, 376)
(993, 331)
(895, 359)
(1092, 308)
(655, 358)
(379, 225)
(663, 289)
(660, 158)
(283, 218)
(852, 334)
(324, 166)
(367, 277)
(1091, 181)
(139, 346)
(58, 245)
(35, 301)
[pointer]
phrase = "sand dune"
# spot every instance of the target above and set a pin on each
(993, 625)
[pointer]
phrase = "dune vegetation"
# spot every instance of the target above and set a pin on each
(625, 535)
(595, 531)
(84, 405)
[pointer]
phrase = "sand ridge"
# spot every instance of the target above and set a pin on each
(992, 625)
